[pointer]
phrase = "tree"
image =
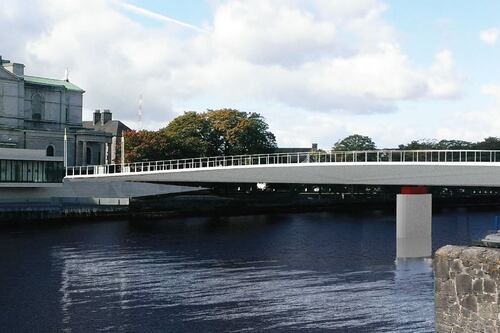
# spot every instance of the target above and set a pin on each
(355, 142)
(210, 133)
(235, 132)
(489, 143)
(453, 144)
(423, 144)
(146, 146)
(189, 134)
(426, 144)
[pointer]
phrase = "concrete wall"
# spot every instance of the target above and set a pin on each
(55, 102)
(11, 100)
(90, 189)
(40, 140)
(467, 281)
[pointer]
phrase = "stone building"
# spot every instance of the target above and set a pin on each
(34, 111)
(104, 122)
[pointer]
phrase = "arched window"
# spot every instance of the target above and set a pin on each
(89, 156)
(36, 107)
(50, 151)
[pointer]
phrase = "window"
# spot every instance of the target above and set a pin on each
(36, 107)
(50, 150)
(12, 171)
(89, 156)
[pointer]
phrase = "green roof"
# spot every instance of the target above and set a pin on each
(52, 82)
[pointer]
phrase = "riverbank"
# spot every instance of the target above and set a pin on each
(201, 205)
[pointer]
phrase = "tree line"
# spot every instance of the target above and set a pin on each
(233, 132)
(361, 142)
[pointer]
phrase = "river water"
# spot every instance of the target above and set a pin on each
(312, 272)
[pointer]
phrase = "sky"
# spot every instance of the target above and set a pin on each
(316, 70)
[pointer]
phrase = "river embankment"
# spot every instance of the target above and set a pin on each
(216, 204)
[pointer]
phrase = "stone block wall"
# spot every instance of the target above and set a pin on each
(467, 283)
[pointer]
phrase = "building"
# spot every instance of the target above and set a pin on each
(313, 148)
(104, 122)
(35, 111)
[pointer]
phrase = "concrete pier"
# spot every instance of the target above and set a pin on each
(413, 225)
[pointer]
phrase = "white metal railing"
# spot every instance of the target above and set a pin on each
(421, 156)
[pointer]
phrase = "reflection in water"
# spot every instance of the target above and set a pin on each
(264, 294)
(288, 272)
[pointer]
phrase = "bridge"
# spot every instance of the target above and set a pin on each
(382, 167)
(406, 168)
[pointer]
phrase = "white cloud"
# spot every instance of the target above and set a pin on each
(490, 36)
(491, 90)
(443, 81)
(476, 122)
(316, 59)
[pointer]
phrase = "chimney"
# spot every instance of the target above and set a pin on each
(15, 68)
(106, 116)
(97, 117)
(314, 147)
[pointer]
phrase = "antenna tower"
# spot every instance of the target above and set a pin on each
(139, 112)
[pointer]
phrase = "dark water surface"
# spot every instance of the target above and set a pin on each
(315, 271)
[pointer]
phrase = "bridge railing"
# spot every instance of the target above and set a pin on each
(402, 156)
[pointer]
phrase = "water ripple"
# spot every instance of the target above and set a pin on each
(269, 295)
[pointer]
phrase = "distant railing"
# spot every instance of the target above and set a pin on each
(372, 156)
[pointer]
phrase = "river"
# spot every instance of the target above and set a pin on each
(284, 272)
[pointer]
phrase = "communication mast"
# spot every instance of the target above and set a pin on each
(139, 112)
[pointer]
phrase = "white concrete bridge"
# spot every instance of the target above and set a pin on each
(381, 167)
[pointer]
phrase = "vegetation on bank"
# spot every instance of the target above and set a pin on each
(232, 132)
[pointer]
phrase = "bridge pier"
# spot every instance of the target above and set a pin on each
(414, 223)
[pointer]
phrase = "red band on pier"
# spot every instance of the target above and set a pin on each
(414, 190)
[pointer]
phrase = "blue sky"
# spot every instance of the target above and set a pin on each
(424, 28)
(318, 70)
(196, 12)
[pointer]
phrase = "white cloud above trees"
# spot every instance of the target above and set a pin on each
(318, 56)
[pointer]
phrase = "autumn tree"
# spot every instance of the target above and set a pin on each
(146, 146)
(210, 133)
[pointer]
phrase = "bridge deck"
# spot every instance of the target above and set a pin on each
(382, 167)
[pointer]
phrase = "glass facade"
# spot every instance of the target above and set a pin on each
(15, 171)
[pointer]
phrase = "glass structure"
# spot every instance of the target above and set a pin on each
(17, 171)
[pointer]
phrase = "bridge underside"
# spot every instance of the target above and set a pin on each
(429, 174)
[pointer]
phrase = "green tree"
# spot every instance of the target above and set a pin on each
(355, 142)
(426, 144)
(489, 143)
(453, 144)
(190, 135)
(235, 132)
(423, 144)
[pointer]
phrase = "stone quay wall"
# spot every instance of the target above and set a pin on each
(467, 285)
